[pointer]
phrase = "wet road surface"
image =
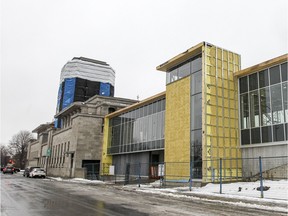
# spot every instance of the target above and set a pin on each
(22, 196)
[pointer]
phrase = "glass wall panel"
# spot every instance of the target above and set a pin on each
(276, 102)
(244, 111)
(196, 152)
(255, 135)
(196, 111)
(253, 81)
(278, 132)
(266, 116)
(267, 104)
(196, 64)
(196, 85)
(285, 98)
(284, 72)
(263, 78)
(254, 109)
(245, 137)
(286, 130)
(168, 78)
(266, 134)
(274, 75)
(184, 70)
(243, 84)
(174, 75)
(136, 134)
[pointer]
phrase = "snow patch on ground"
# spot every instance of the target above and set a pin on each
(243, 193)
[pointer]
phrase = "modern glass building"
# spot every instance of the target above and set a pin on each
(136, 135)
(211, 109)
(263, 111)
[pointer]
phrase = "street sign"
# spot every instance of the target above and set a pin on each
(48, 153)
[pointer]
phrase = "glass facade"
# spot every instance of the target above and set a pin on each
(185, 69)
(263, 106)
(141, 129)
(196, 117)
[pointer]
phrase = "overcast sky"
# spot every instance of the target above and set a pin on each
(134, 37)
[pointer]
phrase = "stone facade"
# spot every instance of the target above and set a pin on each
(71, 151)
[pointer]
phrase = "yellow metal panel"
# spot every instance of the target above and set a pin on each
(106, 159)
(177, 127)
(221, 109)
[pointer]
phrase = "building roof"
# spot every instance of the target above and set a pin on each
(90, 60)
(189, 53)
(42, 127)
(262, 66)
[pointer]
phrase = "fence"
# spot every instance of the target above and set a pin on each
(92, 170)
(218, 171)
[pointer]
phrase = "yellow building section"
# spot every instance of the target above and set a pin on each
(220, 113)
(177, 129)
(106, 159)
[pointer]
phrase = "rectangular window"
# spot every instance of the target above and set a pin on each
(184, 70)
(266, 117)
(286, 130)
(174, 75)
(266, 134)
(196, 153)
(243, 85)
(278, 132)
(263, 78)
(196, 64)
(196, 85)
(274, 75)
(196, 111)
(255, 135)
(254, 109)
(245, 137)
(276, 102)
(284, 72)
(285, 98)
(168, 78)
(253, 81)
(244, 111)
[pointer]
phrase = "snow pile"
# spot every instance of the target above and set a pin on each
(77, 180)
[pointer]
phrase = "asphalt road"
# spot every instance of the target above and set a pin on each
(22, 196)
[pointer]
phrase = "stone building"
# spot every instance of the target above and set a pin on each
(75, 149)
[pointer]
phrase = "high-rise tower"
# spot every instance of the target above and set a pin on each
(81, 78)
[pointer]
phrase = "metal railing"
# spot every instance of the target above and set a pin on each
(219, 171)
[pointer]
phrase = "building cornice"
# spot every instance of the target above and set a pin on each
(136, 105)
(262, 66)
(182, 57)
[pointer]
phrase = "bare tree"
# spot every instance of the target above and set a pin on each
(4, 155)
(18, 147)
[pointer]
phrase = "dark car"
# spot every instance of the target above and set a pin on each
(16, 169)
(8, 170)
(28, 170)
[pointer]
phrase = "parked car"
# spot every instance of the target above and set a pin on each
(37, 172)
(28, 170)
(8, 169)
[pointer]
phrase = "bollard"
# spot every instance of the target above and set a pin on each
(261, 177)
(191, 175)
(139, 176)
(220, 175)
